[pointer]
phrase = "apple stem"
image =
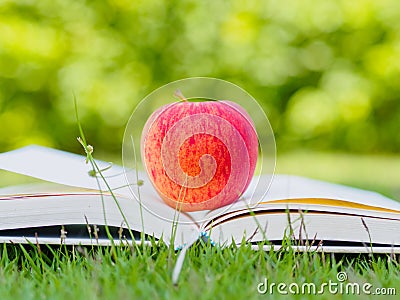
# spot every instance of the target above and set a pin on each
(179, 95)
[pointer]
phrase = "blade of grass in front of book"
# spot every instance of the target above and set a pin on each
(89, 158)
(179, 264)
(178, 209)
(181, 256)
(89, 150)
(142, 234)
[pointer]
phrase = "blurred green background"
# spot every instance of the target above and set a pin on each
(327, 73)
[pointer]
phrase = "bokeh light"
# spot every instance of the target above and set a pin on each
(327, 73)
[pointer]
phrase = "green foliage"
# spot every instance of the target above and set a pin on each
(326, 72)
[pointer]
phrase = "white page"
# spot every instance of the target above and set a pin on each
(59, 167)
(289, 187)
(284, 187)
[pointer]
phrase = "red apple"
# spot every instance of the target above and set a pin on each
(199, 155)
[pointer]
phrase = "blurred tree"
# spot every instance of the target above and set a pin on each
(326, 72)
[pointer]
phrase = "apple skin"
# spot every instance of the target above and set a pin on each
(199, 155)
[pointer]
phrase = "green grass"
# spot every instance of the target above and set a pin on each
(27, 272)
(208, 273)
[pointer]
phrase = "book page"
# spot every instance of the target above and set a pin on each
(292, 187)
(41, 210)
(59, 167)
(289, 187)
(71, 170)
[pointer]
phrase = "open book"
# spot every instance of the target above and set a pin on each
(73, 206)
